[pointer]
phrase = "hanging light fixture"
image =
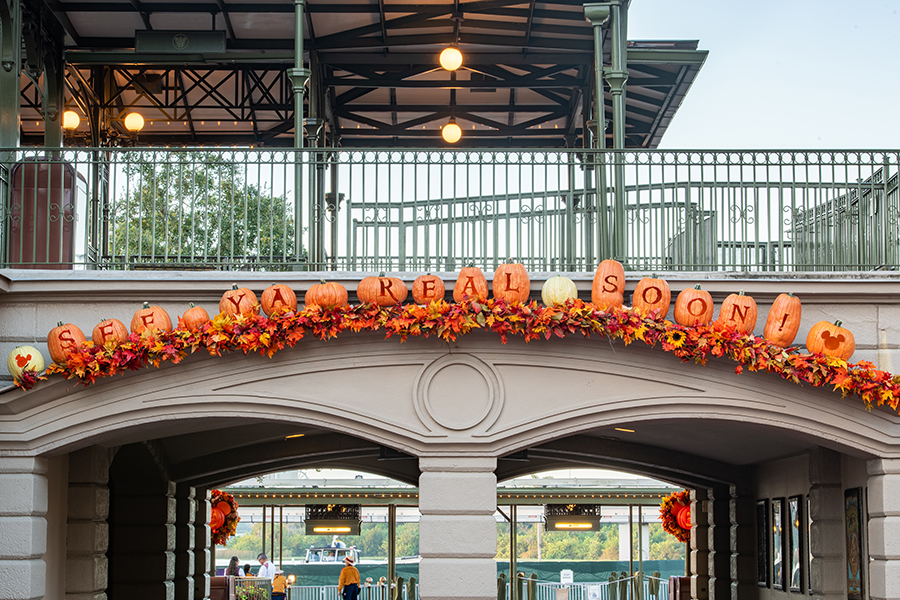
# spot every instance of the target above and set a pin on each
(134, 122)
(71, 120)
(451, 132)
(451, 58)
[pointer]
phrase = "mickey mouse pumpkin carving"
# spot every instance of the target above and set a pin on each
(831, 339)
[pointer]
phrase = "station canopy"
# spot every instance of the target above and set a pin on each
(215, 71)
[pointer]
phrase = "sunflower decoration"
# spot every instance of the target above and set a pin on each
(224, 517)
(674, 338)
(675, 513)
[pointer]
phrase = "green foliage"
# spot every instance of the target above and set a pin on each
(372, 541)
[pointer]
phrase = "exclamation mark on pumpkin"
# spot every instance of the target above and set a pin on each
(783, 321)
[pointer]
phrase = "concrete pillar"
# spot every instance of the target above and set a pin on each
(741, 513)
(826, 531)
(624, 541)
(884, 529)
(719, 542)
(457, 531)
(202, 543)
(23, 527)
(185, 512)
(699, 545)
(88, 531)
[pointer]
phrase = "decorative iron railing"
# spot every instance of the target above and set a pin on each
(418, 210)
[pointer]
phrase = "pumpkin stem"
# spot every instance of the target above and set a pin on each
(190, 305)
(322, 281)
(790, 294)
(471, 264)
(234, 286)
(697, 287)
(837, 323)
(60, 324)
(381, 274)
(146, 305)
(740, 292)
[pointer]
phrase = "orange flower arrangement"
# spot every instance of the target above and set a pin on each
(675, 513)
(224, 519)
(251, 332)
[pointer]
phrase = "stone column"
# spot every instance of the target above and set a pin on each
(202, 543)
(719, 540)
(23, 527)
(87, 531)
(884, 528)
(457, 531)
(742, 514)
(826, 530)
(185, 511)
(699, 545)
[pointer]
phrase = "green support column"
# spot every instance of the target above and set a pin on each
(298, 76)
(598, 15)
(10, 68)
(53, 102)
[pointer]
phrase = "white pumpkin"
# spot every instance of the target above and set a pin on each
(558, 290)
(24, 358)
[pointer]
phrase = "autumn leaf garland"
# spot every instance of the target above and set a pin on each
(253, 333)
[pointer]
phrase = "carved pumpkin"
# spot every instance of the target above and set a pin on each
(558, 290)
(382, 290)
(693, 306)
(224, 508)
(738, 311)
(511, 283)
(428, 288)
(831, 339)
(151, 317)
(216, 519)
(783, 321)
(238, 301)
(62, 339)
(326, 294)
(683, 518)
(109, 330)
(24, 358)
(472, 283)
(193, 318)
(652, 294)
(608, 288)
(278, 298)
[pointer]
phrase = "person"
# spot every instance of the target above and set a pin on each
(233, 569)
(266, 569)
(348, 584)
(245, 572)
(279, 585)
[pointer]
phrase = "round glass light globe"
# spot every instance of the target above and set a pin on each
(71, 120)
(451, 133)
(451, 59)
(134, 122)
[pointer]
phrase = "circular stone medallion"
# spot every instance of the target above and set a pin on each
(459, 392)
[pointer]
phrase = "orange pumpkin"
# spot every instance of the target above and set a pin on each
(381, 290)
(216, 519)
(278, 298)
(428, 288)
(193, 318)
(326, 294)
(471, 283)
(511, 283)
(151, 317)
(224, 508)
(63, 339)
(738, 311)
(238, 301)
(783, 321)
(693, 306)
(608, 288)
(109, 330)
(652, 294)
(832, 340)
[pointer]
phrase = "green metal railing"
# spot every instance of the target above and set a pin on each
(416, 210)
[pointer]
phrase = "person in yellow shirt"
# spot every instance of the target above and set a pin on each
(279, 585)
(348, 584)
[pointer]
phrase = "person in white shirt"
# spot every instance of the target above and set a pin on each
(267, 569)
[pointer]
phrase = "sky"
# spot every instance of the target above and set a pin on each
(797, 74)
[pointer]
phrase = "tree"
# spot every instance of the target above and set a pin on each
(198, 207)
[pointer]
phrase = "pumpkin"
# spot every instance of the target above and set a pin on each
(224, 508)
(278, 298)
(471, 283)
(24, 358)
(326, 294)
(150, 317)
(109, 330)
(738, 311)
(62, 339)
(608, 288)
(428, 288)
(511, 283)
(216, 519)
(381, 290)
(558, 290)
(238, 301)
(783, 321)
(193, 318)
(832, 340)
(683, 517)
(652, 294)
(693, 306)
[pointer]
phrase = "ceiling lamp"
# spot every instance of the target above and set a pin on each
(332, 518)
(71, 120)
(451, 58)
(571, 517)
(451, 132)
(134, 122)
